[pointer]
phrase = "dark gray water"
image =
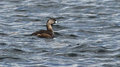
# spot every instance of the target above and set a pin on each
(88, 35)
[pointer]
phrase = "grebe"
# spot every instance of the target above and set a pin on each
(49, 33)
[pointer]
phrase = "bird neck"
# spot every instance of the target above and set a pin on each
(49, 27)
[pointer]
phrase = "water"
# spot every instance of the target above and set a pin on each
(88, 35)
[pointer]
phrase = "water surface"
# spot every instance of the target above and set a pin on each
(88, 35)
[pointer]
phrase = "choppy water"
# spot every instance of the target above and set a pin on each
(88, 35)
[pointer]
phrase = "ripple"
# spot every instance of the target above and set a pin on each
(20, 15)
(58, 27)
(10, 59)
(21, 9)
(18, 50)
(3, 43)
(3, 34)
(72, 55)
(28, 19)
(102, 51)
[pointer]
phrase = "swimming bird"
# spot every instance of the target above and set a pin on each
(49, 33)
